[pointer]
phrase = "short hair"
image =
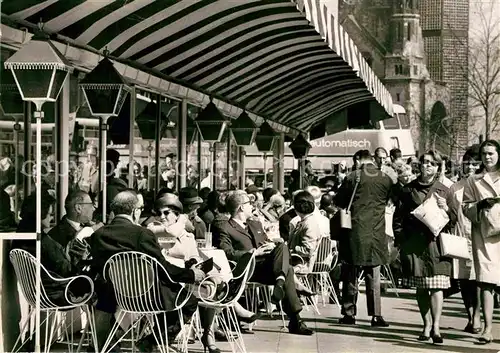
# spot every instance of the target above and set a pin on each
(435, 155)
(234, 200)
(396, 153)
(268, 193)
(364, 155)
(73, 198)
(401, 168)
(472, 153)
(380, 149)
(124, 202)
(304, 203)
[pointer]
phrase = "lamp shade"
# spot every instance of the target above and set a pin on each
(265, 138)
(244, 130)
(146, 121)
(300, 147)
(39, 70)
(211, 123)
(11, 102)
(105, 90)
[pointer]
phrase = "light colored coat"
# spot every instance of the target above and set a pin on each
(305, 237)
(485, 251)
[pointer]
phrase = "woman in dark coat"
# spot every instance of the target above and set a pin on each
(421, 261)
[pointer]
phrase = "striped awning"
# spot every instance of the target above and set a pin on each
(287, 61)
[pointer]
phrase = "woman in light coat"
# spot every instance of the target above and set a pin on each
(481, 195)
(463, 270)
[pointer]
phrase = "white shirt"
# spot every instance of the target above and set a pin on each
(74, 224)
(240, 222)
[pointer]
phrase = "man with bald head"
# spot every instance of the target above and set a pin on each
(125, 234)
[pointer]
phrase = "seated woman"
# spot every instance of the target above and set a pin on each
(55, 258)
(171, 224)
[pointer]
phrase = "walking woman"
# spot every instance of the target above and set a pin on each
(481, 198)
(421, 261)
(463, 269)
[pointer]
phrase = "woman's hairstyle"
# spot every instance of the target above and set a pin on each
(492, 143)
(28, 210)
(402, 168)
(435, 155)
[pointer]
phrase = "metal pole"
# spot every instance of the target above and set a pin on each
(99, 159)
(38, 251)
(198, 136)
(157, 143)
(16, 168)
(104, 142)
(301, 173)
(181, 146)
(27, 149)
(265, 170)
(63, 147)
(242, 167)
(213, 169)
(131, 139)
(228, 160)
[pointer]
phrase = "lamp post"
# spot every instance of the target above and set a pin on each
(300, 148)
(39, 71)
(211, 125)
(105, 91)
(244, 131)
(265, 143)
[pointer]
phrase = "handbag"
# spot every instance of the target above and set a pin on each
(345, 214)
(454, 246)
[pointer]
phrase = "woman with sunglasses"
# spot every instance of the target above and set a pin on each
(422, 265)
(481, 205)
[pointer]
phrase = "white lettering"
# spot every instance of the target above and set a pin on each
(322, 143)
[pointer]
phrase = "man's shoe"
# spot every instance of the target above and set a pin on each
(347, 320)
(278, 292)
(299, 328)
(378, 321)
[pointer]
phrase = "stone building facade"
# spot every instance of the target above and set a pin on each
(389, 33)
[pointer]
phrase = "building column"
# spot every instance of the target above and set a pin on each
(131, 143)
(279, 164)
(181, 169)
(62, 147)
(241, 164)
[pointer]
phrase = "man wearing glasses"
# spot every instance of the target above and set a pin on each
(79, 213)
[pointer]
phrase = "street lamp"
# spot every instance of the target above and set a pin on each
(265, 143)
(39, 71)
(244, 131)
(300, 148)
(105, 91)
(211, 124)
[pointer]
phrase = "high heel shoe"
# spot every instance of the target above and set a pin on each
(436, 339)
(251, 319)
(212, 348)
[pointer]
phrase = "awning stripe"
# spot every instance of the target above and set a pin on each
(285, 60)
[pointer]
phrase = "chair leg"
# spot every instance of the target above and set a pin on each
(314, 300)
(332, 291)
(237, 343)
(160, 340)
(111, 335)
(20, 340)
(89, 329)
(391, 278)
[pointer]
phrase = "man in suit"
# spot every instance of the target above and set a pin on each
(124, 234)
(365, 246)
(241, 235)
(79, 212)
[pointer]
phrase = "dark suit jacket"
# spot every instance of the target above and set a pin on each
(122, 235)
(284, 222)
(236, 241)
(63, 232)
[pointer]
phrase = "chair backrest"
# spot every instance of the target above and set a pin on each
(25, 267)
(136, 282)
(239, 282)
(324, 256)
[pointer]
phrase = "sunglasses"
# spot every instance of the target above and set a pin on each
(168, 212)
(432, 163)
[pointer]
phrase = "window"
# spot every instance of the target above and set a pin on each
(404, 121)
(398, 69)
(408, 30)
(398, 97)
(394, 142)
(391, 124)
(415, 69)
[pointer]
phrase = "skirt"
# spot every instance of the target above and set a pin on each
(434, 282)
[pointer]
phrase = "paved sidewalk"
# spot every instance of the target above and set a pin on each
(402, 313)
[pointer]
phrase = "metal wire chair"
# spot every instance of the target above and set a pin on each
(233, 292)
(136, 282)
(317, 276)
(25, 268)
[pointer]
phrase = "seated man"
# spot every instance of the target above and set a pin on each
(79, 212)
(124, 234)
(240, 235)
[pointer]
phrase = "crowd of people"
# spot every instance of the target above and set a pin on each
(368, 213)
